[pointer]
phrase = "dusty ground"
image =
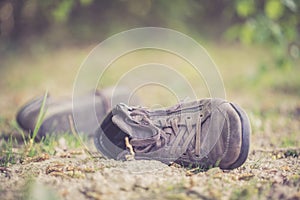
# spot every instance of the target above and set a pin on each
(75, 175)
(62, 171)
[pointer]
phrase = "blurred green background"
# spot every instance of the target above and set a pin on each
(61, 22)
(255, 44)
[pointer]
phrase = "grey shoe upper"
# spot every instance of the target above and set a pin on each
(209, 132)
(56, 119)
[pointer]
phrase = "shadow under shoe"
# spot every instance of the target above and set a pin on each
(206, 133)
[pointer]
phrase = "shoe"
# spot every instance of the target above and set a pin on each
(57, 114)
(205, 133)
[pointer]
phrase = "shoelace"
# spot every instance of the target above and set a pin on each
(166, 135)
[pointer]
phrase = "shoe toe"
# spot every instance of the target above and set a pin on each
(237, 138)
(27, 115)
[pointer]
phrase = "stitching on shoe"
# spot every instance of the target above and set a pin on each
(228, 136)
(225, 115)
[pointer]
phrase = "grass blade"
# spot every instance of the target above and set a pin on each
(40, 117)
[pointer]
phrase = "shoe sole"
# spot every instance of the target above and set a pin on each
(246, 129)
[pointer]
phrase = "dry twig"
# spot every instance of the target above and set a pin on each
(129, 146)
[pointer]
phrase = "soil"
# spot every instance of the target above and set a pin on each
(74, 174)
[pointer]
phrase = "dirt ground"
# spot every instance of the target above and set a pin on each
(272, 170)
(76, 175)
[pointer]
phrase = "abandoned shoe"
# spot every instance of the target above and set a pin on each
(205, 133)
(57, 114)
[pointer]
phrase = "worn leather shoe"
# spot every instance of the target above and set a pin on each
(205, 133)
(58, 111)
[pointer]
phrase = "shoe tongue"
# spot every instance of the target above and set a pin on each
(119, 121)
(134, 130)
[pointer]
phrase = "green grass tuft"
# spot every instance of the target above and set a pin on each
(9, 157)
(40, 117)
(29, 148)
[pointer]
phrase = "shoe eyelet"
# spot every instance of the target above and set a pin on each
(188, 117)
(145, 123)
(201, 115)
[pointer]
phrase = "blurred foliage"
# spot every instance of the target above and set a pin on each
(274, 23)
